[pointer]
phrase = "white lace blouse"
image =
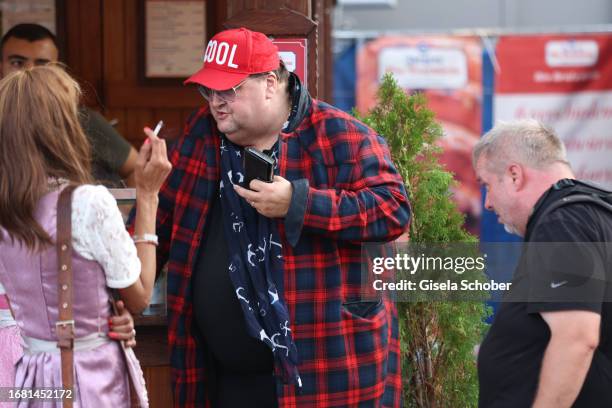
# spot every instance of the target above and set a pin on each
(98, 234)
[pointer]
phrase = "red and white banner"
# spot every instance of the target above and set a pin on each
(564, 81)
(448, 70)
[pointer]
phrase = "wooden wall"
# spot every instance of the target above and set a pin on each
(103, 49)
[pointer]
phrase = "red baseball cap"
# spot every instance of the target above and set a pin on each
(232, 55)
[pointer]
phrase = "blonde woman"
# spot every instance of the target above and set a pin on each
(42, 150)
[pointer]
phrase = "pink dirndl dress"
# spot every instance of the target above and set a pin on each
(30, 281)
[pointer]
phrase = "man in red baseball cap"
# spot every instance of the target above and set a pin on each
(264, 305)
(232, 55)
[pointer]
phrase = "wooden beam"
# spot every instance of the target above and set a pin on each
(128, 95)
(273, 22)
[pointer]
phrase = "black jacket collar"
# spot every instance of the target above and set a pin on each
(300, 103)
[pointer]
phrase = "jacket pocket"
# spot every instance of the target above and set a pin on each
(363, 309)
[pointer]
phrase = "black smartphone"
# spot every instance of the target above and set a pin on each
(257, 166)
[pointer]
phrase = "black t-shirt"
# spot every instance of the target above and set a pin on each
(240, 367)
(559, 272)
(109, 150)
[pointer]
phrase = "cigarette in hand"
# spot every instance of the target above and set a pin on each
(158, 127)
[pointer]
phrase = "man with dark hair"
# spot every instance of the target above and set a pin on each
(27, 47)
(113, 159)
(264, 280)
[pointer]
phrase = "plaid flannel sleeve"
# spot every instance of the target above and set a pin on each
(167, 197)
(375, 208)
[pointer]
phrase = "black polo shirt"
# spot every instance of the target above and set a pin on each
(510, 357)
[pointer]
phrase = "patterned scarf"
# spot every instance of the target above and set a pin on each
(256, 265)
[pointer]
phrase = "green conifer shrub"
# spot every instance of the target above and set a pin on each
(437, 338)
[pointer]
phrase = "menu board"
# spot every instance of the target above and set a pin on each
(175, 38)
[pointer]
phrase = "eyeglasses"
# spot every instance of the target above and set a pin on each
(228, 95)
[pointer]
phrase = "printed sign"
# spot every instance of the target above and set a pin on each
(448, 70)
(293, 52)
(564, 81)
(424, 66)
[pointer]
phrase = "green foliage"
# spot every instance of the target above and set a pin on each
(438, 338)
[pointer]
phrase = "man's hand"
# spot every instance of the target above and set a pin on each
(122, 326)
(269, 199)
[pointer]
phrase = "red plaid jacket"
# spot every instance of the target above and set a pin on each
(351, 193)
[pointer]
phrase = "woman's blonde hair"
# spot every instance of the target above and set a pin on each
(40, 139)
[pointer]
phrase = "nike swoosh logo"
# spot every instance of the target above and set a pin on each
(555, 285)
